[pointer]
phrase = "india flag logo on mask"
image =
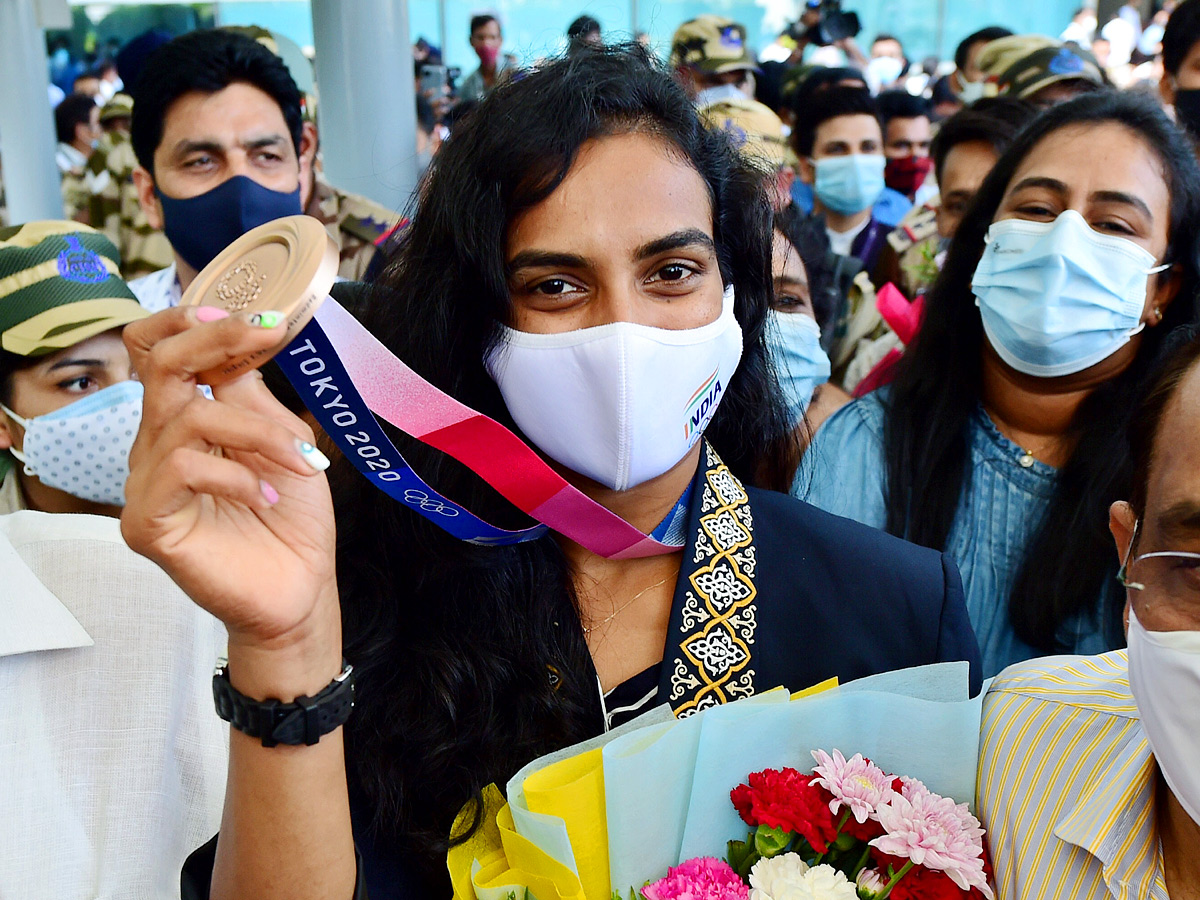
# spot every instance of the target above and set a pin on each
(701, 406)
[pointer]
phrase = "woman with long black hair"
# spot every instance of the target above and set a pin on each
(1001, 439)
(575, 232)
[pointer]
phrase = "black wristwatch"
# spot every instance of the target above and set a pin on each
(303, 721)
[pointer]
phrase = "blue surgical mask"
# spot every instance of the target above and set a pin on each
(849, 184)
(200, 227)
(1058, 297)
(794, 341)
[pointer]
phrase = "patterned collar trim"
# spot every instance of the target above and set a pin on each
(712, 661)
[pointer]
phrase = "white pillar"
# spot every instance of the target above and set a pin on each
(366, 111)
(27, 144)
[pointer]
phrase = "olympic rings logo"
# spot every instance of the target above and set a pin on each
(425, 503)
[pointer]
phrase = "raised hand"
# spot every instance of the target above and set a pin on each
(221, 495)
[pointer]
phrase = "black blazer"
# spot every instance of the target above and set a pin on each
(771, 592)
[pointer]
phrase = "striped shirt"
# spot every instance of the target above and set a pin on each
(1067, 783)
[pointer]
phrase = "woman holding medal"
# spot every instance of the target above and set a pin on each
(590, 267)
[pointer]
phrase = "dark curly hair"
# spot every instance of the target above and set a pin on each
(472, 661)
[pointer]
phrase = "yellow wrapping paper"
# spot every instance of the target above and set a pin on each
(573, 790)
(497, 863)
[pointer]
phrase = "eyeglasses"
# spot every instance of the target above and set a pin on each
(1164, 586)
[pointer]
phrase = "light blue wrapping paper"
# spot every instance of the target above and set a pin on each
(667, 783)
(647, 789)
(550, 832)
(934, 741)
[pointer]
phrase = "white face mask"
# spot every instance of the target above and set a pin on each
(1164, 675)
(620, 403)
(972, 91)
(718, 94)
(83, 448)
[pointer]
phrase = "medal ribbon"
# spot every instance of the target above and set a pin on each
(346, 377)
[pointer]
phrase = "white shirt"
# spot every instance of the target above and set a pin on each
(113, 758)
(159, 290)
(840, 242)
(69, 159)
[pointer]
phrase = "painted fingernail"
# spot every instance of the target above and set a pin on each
(269, 492)
(268, 319)
(311, 455)
(210, 313)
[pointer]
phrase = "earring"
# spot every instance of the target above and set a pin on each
(1157, 315)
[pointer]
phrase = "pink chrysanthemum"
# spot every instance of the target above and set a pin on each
(703, 878)
(911, 787)
(855, 783)
(934, 832)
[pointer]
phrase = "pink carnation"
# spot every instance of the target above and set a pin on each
(856, 783)
(703, 878)
(934, 832)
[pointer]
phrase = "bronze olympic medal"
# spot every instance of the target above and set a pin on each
(286, 265)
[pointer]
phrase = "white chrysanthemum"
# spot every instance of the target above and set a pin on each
(788, 877)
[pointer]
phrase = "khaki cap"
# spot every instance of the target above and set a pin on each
(753, 129)
(712, 44)
(119, 106)
(1023, 64)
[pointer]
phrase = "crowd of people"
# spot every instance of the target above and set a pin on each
(883, 365)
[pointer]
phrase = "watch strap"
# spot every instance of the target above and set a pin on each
(303, 721)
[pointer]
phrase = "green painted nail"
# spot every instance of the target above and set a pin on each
(268, 319)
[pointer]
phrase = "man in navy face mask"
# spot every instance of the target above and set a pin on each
(221, 148)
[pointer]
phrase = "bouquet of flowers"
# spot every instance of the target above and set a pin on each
(594, 821)
(847, 831)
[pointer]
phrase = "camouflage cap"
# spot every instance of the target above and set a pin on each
(712, 44)
(59, 285)
(753, 129)
(120, 105)
(1023, 64)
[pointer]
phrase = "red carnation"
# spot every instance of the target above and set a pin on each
(920, 883)
(789, 801)
(866, 831)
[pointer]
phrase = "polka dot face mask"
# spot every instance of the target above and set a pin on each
(83, 448)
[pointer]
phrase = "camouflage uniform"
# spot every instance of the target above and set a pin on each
(917, 243)
(355, 224)
(74, 184)
(115, 209)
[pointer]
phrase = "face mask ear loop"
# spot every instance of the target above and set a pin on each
(20, 420)
(1142, 325)
(24, 423)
